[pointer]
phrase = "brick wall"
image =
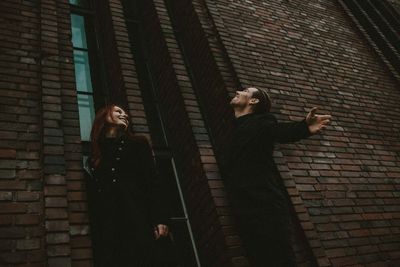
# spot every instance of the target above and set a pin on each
(195, 159)
(342, 184)
(21, 194)
(395, 4)
(180, 113)
(108, 38)
(308, 53)
(190, 37)
(44, 220)
(214, 79)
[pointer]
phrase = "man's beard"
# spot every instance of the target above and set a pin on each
(233, 103)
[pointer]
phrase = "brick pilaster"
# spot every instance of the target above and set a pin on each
(21, 198)
(54, 170)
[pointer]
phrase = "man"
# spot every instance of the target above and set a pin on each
(258, 199)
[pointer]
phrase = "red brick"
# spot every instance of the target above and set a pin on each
(52, 226)
(28, 196)
(81, 241)
(13, 257)
(8, 153)
(28, 244)
(28, 219)
(309, 54)
(6, 219)
(55, 180)
(54, 202)
(55, 213)
(57, 238)
(55, 191)
(81, 253)
(6, 195)
(12, 232)
(78, 218)
(59, 262)
(12, 207)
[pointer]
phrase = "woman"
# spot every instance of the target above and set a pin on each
(126, 199)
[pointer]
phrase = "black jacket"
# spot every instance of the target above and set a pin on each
(126, 200)
(252, 176)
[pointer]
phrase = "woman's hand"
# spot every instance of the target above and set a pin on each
(161, 230)
(316, 123)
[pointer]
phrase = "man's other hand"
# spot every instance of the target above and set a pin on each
(316, 123)
(161, 230)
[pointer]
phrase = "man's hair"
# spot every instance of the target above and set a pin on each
(264, 101)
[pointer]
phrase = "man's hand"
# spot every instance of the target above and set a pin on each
(161, 230)
(316, 123)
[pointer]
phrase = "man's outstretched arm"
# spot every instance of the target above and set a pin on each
(287, 132)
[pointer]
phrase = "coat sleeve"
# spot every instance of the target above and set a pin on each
(159, 208)
(94, 218)
(285, 132)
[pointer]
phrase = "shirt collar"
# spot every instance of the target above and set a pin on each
(240, 120)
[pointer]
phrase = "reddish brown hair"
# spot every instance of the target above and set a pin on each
(97, 134)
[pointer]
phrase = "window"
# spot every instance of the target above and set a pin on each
(82, 75)
(81, 3)
(86, 65)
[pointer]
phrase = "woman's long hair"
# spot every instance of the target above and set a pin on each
(97, 134)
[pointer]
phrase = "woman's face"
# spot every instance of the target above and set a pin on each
(118, 117)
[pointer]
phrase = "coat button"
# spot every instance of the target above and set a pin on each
(117, 158)
(114, 180)
(112, 169)
(120, 148)
(122, 141)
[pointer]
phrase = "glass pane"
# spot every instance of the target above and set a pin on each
(78, 31)
(82, 3)
(82, 71)
(86, 115)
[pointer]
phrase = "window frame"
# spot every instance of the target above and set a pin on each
(95, 58)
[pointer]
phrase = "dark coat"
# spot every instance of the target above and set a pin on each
(252, 176)
(259, 202)
(126, 200)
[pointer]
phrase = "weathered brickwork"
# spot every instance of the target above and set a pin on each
(395, 4)
(214, 80)
(308, 54)
(343, 184)
(79, 240)
(195, 158)
(208, 87)
(21, 193)
(45, 220)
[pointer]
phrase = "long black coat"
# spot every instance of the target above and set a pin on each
(126, 200)
(256, 193)
(250, 163)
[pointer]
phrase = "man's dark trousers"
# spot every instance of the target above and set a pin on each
(267, 241)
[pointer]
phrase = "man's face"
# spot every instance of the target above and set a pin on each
(244, 98)
(118, 117)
